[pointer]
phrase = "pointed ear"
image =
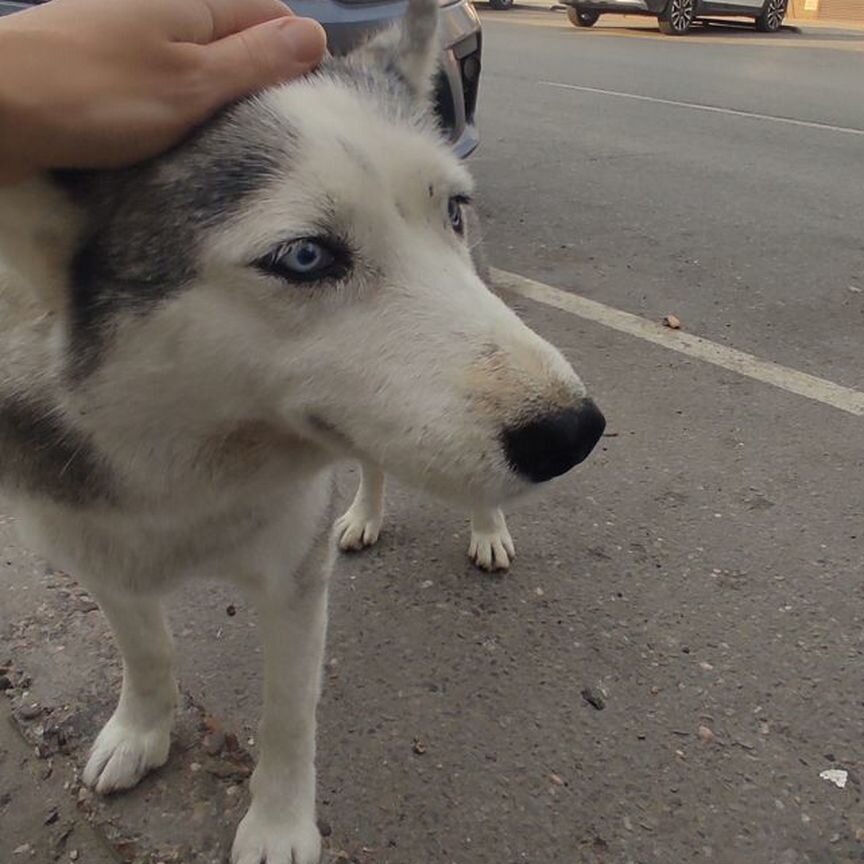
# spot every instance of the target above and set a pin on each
(410, 50)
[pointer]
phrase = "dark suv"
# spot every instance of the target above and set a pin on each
(348, 21)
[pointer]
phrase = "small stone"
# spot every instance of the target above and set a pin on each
(230, 610)
(52, 817)
(73, 854)
(705, 734)
(5, 683)
(837, 776)
(557, 779)
(225, 770)
(23, 849)
(593, 697)
(419, 746)
(325, 828)
(673, 322)
(30, 712)
(214, 743)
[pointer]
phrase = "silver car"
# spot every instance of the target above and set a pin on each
(348, 21)
(676, 16)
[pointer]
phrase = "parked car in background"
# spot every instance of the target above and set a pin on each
(677, 16)
(349, 21)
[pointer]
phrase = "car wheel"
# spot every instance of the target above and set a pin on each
(771, 18)
(501, 4)
(677, 17)
(582, 19)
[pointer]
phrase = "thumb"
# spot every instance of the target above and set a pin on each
(262, 56)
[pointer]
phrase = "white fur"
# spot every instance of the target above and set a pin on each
(490, 547)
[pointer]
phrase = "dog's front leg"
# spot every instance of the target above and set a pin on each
(138, 735)
(280, 826)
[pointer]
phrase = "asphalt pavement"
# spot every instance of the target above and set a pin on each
(675, 659)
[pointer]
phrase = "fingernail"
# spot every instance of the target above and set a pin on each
(305, 39)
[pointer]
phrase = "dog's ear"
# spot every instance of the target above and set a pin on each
(409, 50)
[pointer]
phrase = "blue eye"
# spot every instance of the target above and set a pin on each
(304, 260)
(305, 256)
(454, 213)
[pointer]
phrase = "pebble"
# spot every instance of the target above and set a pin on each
(5, 683)
(30, 712)
(593, 697)
(73, 854)
(214, 743)
(705, 734)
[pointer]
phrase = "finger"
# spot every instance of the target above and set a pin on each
(260, 57)
(226, 17)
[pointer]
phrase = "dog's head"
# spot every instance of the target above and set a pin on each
(302, 262)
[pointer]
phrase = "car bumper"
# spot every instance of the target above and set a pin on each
(458, 82)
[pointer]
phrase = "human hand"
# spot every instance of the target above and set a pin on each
(104, 83)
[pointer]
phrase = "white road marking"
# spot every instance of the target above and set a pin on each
(809, 124)
(791, 380)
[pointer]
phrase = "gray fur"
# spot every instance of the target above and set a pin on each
(40, 454)
(144, 225)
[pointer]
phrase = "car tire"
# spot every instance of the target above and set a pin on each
(501, 5)
(584, 18)
(677, 17)
(771, 19)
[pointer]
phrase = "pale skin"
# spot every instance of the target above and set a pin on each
(107, 83)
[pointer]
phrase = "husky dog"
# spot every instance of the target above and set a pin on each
(490, 548)
(188, 346)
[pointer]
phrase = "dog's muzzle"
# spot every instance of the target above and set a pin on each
(547, 446)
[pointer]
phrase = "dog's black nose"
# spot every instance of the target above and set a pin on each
(547, 446)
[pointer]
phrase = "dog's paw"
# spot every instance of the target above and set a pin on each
(123, 754)
(357, 529)
(262, 840)
(491, 547)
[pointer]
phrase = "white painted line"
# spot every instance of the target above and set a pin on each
(791, 380)
(825, 127)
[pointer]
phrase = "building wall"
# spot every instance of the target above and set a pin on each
(828, 10)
